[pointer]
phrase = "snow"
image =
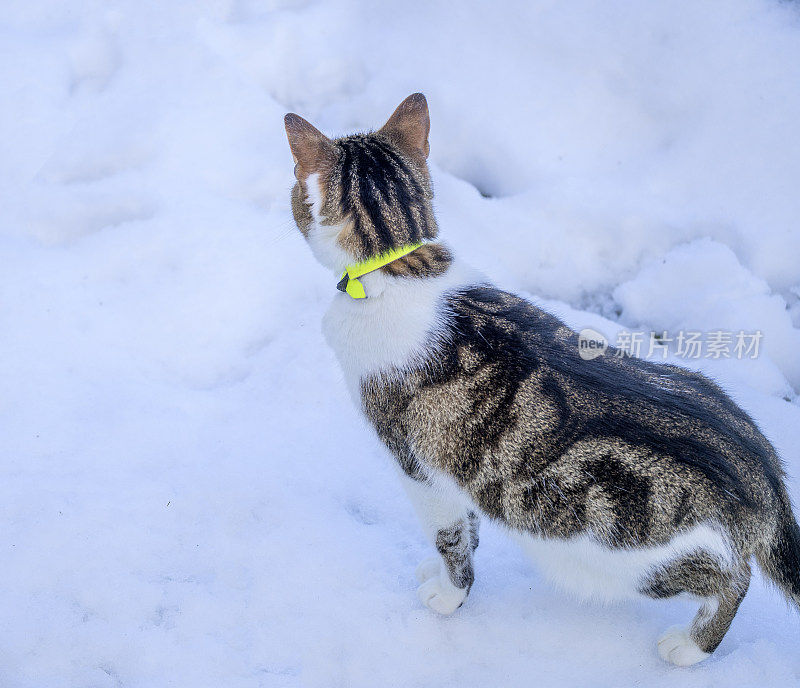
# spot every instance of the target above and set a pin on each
(702, 282)
(188, 497)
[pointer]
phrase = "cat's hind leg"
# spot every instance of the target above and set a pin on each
(452, 527)
(722, 590)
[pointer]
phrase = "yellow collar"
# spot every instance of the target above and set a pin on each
(350, 283)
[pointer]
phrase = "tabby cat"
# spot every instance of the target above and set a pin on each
(620, 476)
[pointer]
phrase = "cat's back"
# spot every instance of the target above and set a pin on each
(533, 384)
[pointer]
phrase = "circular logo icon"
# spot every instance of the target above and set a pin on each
(591, 344)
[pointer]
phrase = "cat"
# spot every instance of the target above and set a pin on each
(621, 477)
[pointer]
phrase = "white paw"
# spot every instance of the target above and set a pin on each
(428, 569)
(439, 594)
(677, 647)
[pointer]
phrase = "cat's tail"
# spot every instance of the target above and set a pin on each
(780, 558)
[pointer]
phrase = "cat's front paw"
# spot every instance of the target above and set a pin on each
(677, 647)
(437, 591)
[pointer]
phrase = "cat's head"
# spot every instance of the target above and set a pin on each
(359, 196)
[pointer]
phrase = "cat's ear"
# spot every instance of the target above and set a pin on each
(409, 125)
(312, 151)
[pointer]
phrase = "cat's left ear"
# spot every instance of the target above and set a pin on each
(312, 151)
(409, 126)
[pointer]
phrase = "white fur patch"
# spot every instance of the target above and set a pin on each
(585, 567)
(314, 195)
(395, 327)
(677, 647)
(428, 568)
(439, 502)
(322, 239)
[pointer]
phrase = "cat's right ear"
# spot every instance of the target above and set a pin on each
(410, 125)
(313, 152)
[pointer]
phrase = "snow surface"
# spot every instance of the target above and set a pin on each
(188, 497)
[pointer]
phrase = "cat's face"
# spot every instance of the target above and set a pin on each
(359, 196)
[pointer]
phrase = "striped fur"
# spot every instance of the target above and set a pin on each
(385, 195)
